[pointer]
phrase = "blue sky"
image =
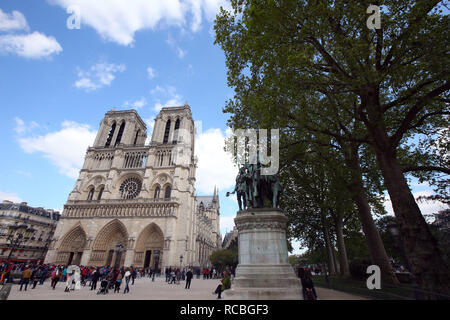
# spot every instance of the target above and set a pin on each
(57, 83)
(55, 91)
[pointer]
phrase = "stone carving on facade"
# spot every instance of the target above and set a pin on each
(142, 210)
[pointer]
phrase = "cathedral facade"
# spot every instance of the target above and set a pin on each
(134, 204)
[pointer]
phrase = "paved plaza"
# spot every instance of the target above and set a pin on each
(145, 289)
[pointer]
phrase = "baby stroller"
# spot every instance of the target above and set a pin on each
(104, 285)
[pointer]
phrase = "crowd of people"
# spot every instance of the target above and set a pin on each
(105, 278)
(34, 274)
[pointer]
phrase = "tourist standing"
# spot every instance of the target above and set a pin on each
(118, 282)
(43, 275)
(127, 281)
(26, 275)
(64, 274)
(189, 276)
(133, 275)
(308, 284)
(173, 277)
(56, 274)
(94, 278)
(36, 277)
(178, 274)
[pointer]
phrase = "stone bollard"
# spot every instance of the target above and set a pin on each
(4, 292)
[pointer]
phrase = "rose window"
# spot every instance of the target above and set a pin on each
(130, 188)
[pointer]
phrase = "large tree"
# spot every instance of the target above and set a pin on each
(391, 83)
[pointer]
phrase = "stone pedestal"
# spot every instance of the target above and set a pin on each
(264, 272)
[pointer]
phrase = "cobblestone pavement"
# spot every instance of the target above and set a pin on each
(145, 289)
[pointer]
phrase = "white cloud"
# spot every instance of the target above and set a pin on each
(173, 44)
(139, 103)
(190, 70)
(34, 45)
(10, 196)
(13, 21)
(24, 173)
(426, 207)
(158, 89)
(151, 73)
(118, 21)
(136, 104)
(167, 93)
(64, 148)
(215, 167)
(21, 127)
(99, 75)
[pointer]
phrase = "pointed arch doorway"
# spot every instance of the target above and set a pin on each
(109, 245)
(149, 247)
(72, 246)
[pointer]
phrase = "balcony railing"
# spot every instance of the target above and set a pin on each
(120, 208)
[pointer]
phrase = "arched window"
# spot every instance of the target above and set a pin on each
(157, 190)
(137, 135)
(167, 193)
(110, 135)
(100, 193)
(90, 194)
(119, 135)
(175, 133)
(166, 132)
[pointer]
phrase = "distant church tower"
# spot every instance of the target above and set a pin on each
(135, 204)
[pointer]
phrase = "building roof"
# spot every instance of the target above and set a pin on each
(22, 207)
(207, 201)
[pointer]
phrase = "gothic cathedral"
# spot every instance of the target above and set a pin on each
(135, 204)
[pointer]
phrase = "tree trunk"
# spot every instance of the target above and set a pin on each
(343, 260)
(336, 262)
(421, 248)
(374, 242)
(328, 248)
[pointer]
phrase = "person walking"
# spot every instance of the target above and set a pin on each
(36, 277)
(168, 272)
(133, 275)
(178, 274)
(56, 274)
(26, 275)
(43, 275)
(94, 278)
(118, 282)
(127, 281)
(173, 277)
(308, 284)
(64, 274)
(189, 276)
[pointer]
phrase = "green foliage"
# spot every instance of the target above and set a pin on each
(223, 258)
(314, 256)
(294, 260)
(356, 245)
(352, 105)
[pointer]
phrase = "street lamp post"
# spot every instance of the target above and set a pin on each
(17, 234)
